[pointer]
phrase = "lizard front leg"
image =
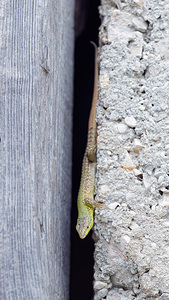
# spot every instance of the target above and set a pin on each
(90, 191)
(91, 202)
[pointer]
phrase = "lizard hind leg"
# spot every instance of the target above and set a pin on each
(92, 144)
(91, 153)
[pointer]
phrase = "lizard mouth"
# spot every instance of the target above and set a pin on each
(83, 227)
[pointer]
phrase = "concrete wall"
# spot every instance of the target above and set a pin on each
(132, 235)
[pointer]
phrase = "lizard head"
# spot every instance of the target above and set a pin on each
(84, 224)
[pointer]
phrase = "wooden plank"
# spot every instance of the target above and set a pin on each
(36, 76)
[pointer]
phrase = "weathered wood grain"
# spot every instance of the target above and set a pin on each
(36, 54)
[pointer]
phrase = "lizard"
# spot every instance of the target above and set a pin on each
(86, 202)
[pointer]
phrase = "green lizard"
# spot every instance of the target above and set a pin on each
(85, 202)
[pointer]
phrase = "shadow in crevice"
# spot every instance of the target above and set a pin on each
(81, 268)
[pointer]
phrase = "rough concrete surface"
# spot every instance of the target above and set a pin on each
(132, 234)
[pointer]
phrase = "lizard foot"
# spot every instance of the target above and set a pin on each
(95, 204)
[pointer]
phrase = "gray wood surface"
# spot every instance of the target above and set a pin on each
(36, 77)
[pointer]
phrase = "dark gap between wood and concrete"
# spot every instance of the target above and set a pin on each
(81, 274)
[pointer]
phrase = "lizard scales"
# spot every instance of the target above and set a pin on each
(85, 202)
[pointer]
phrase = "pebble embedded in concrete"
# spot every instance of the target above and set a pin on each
(98, 285)
(131, 122)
